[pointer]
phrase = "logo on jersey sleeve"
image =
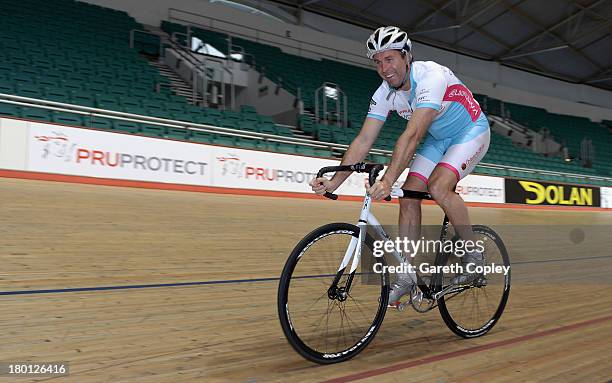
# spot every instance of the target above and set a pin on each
(423, 96)
(459, 93)
(372, 103)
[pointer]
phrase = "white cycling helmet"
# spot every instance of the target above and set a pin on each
(386, 38)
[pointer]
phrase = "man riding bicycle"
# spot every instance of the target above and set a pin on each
(441, 109)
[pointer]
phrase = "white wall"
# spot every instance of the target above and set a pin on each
(13, 144)
(483, 76)
(268, 103)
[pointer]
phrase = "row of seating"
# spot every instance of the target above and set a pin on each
(569, 131)
(228, 120)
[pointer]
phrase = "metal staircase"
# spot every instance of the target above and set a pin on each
(177, 84)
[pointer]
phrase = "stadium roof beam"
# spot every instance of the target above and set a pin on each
(460, 23)
(602, 25)
(506, 10)
(431, 14)
(484, 33)
(356, 16)
(593, 13)
(555, 48)
(545, 30)
(308, 2)
(425, 31)
(357, 19)
(535, 64)
(596, 77)
(602, 79)
(603, 37)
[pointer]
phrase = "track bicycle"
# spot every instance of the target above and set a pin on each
(330, 311)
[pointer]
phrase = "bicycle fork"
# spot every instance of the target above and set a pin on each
(353, 252)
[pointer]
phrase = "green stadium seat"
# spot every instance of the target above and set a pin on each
(98, 122)
(153, 130)
(305, 150)
(247, 143)
(6, 87)
(266, 128)
(284, 131)
(28, 90)
(159, 113)
(23, 79)
(56, 94)
(205, 120)
(95, 88)
(232, 124)
(6, 69)
(126, 126)
(214, 113)
(107, 102)
(65, 118)
(176, 133)
(117, 91)
(224, 140)
(37, 114)
(48, 82)
(199, 136)
(286, 148)
(182, 116)
(82, 98)
(72, 85)
(248, 109)
(9, 110)
(252, 118)
(249, 126)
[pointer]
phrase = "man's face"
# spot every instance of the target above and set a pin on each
(391, 66)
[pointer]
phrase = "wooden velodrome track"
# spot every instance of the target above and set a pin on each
(58, 239)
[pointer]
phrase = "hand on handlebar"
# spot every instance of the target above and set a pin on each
(379, 190)
(321, 185)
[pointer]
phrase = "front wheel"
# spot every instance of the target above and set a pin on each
(472, 311)
(323, 320)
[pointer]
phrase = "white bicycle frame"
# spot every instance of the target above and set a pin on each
(367, 218)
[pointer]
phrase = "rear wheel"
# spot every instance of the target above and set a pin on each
(472, 310)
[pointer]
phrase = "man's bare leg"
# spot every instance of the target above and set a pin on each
(409, 227)
(442, 188)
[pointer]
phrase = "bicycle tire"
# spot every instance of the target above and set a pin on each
(293, 337)
(489, 323)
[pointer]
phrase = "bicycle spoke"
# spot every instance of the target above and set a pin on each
(325, 327)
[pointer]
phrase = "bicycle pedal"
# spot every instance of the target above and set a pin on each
(399, 306)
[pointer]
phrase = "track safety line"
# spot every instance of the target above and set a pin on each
(458, 353)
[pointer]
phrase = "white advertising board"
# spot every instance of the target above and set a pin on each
(82, 152)
(606, 197)
(91, 153)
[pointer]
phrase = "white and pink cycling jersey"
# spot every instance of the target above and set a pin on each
(431, 86)
(458, 137)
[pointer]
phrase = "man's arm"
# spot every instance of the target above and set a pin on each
(404, 150)
(357, 151)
